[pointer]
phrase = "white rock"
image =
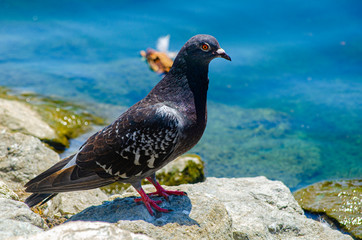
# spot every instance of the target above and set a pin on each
(22, 157)
(263, 209)
(256, 208)
(17, 219)
(10, 228)
(70, 203)
(85, 231)
(18, 116)
(6, 192)
(219, 208)
(195, 217)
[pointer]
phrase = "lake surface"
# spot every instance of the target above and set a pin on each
(288, 106)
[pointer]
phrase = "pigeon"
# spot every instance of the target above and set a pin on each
(168, 122)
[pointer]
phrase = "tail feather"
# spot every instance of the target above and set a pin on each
(58, 166)
(39, 198)
(62, 181)
(62, 178)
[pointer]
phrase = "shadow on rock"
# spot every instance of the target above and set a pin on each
(127, 209)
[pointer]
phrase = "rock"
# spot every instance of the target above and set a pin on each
(340, 200)
(15, 210)
(262, 209)
(85, 231)
(18, 116)
(70, 203)
(219, 208)
(22, 157)
(52, 120)
(10, 228)
(17, 219)
(6, 192)
(185, 221)
(210, 222)
(188, 168)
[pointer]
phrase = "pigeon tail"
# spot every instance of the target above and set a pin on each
(39, 198)
(62, 177)
(69, 179)
(58, 166)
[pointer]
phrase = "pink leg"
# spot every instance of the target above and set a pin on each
(160, 191)
(148, 202)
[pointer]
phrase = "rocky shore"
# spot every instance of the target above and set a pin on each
(51, 120)
(215, 208)
(219, 208)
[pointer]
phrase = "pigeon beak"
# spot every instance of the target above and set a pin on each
(221, 53)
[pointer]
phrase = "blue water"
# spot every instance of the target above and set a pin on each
(289, 105)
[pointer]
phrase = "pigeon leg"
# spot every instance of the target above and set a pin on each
(160, 191)
(147, 201)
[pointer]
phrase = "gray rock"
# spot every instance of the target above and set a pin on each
(220, 208)
(185, 221)
(6, 192)
(17, 219)
(19, 211)
(263, 209)
(18, 116)
(70, 203)
(22, 157)
(85, 231)
(10, 228)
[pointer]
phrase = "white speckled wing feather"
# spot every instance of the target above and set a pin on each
(136, 142)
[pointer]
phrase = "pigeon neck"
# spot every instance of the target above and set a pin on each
(198, 81)
(190, 81)
(196, 73)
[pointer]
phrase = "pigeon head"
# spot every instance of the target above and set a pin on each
(204, 48)
(200, 50)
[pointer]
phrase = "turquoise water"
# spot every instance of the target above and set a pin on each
(289, 105)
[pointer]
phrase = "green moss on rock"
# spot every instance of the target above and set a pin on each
(340, 200)
(67, 119)
(115, 188)
(186, 169)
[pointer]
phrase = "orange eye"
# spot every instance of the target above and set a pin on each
(205, 47)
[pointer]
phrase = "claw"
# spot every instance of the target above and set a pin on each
(137, 200)
(160, 191)
(149, 202)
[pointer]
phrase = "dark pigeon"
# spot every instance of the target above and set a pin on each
(168, 122)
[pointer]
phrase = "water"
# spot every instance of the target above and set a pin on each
(289, 105)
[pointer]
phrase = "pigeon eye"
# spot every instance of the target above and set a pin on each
(205, 47)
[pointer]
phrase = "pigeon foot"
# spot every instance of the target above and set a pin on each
(160, 191)
(149, 203)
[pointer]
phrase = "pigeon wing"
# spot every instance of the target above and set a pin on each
(139, 140)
